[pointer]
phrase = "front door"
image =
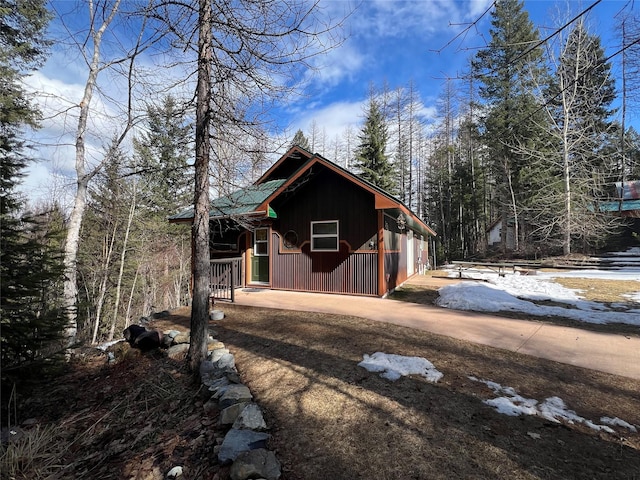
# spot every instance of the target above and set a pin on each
(410, 251)
(260, 256)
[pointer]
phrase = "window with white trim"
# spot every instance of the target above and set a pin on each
(325, 236)
(261, 242)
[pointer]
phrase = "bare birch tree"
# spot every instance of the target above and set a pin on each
(123, 255)
(102, 15)
(629, 32)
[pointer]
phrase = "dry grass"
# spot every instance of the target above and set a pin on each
(134, 419)
(332, 419)
(34, 455)
(329, 418)
(605, 291)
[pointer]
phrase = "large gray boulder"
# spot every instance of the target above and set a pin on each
(182, 338)
(237, 441)
(229, 415)
(217, 353)
(234, 393)
(178, 352)
(226, 362)
(250, 419)
(259, 463)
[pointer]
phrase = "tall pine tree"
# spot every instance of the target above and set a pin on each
(163, 160)
(514, 123)
(299, 140)
(30, 264)
(371, 159)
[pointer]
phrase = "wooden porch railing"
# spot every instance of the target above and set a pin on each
(225, 276)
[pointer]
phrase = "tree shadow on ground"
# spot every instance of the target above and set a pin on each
(333, 419)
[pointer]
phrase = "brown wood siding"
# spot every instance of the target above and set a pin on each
(343, 272)
(395, 267)
(395, 253)
(328, 196)
(324, 195)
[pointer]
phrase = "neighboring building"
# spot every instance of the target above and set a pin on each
(627, 202)
(309, 225)
(494, 233)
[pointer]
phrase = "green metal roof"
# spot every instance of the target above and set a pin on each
(241, 202)
(619, 206)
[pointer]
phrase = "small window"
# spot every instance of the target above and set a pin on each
(324, 236)
(261, 242)
(290, 240)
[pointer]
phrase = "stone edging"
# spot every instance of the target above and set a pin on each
(244, 444)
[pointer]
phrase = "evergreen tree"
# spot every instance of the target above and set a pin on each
(299, 140)
(162, 159)
(31, 275)
(22, 24)
(470, 183)
(30, 264)
(102, 235)
(514, 123)
(371, 158)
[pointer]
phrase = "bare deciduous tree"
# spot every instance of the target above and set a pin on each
(250, 55)
(570, 175)
(102, 15)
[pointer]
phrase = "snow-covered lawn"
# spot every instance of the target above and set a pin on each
(517, 293)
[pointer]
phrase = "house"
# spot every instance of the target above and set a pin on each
(494, 233)
(627, 200)
(309, 225)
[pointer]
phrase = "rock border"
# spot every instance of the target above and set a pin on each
(244, 444)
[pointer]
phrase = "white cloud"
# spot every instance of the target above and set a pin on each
(54, 141)
(334, 117)
(57, 90)
(399, 18)
(476, 8)
(336, 65)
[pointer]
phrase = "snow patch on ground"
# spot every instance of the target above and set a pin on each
(517, 293)
(616, 422)
(552, 408)
(392, 367)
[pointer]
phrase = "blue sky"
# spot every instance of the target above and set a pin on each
(400, 41)
(390, 41)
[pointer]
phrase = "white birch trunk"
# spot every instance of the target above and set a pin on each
(103, 282)
(127, 317)
(82, 182)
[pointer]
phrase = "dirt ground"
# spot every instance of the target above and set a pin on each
(333, 419)
(330, 418)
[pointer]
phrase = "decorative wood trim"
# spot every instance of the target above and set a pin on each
(382, 284)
